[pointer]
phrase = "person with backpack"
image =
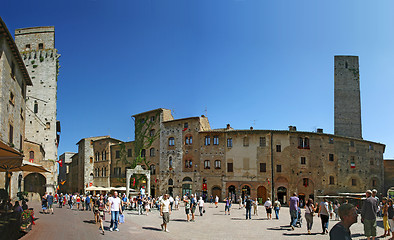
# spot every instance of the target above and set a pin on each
(277, 208)
(248, 207)
(187, 207)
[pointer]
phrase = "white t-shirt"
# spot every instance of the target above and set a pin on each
(165, 204)
(267, 204)
(201, 203)
(324, 208)
(171, 199)
(216, 199)
(114, 203)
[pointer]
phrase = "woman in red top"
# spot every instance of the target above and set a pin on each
(78, 201)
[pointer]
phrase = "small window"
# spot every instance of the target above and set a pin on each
(35, 107)
(263, 167)
(188, 163)
(152, 152)
(370, 147)
(143, 153)
(229, 142)
(185, 125)
(170, 162)
(11, 134)
(207, 164)
(91, 160)
(152, 132)
(346, 65)
(278, 168)
(215, 140)
(305, 182)
(262, 142)
(40, 46)
(48, 125)
(117, 154)
(152, 169)
(246, 141)
(27, 46)
(306, 143)
(332, 180)
(217, 164)
(12, 98)
(229, 167)
(171, 141)
(331, 157)
(129, 153)
(207, 140)
(13, 70)
(278, 148)
(303, 160)
(331, 141)
(354, 182)
(352, 143)
(374, 183)
(190, 140)
(152, 119)
(170, 182)
(31, 156)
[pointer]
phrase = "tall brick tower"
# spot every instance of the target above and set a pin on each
(347, 109)
(37, 48)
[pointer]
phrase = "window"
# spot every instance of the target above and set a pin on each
(143, 153)
(20, 142)
(48, 125)
(306, 142)
(35, 107)
(188, 163)
(218, 164)
(354, 182)
(102, 172)
(229, 142)
(305, 182)
(215, 140)
(129, 153)
(370, 147)
(152, 169)
(303, 160)
(303, 143)
(331, 157)
(152, 132)
(105, 172)
(12, 98)
(207, 164)
(152, 119)
(170, 162)
(331, 141)
(40, 46)
(373, 183)
(371, 162)
(152, 152)
(278, 168)
(185, 125)
(246, 141)
(91, 160)
(170, 182)
(27, 46)
(117, 171)
(229, 167)
(117, 154)
(171, 141)
(11, 134)
(278, 148)
(263, 167)
(352, 143)
(31, 156)
(262, 142)
(102, 156)
(189, 140)
(207, 140)
(332, 180)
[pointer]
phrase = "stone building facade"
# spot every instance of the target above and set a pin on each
(64, 169)
(388, 174)
(37, 47)
(14, 79)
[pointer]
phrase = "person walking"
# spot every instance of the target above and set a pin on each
(50, 203)
(193, 206)
(201, 206)
(309, 213)
(390, 216)
(368, 215)
(61, 198)
(101, 208)
(171, 201)
(165, 211)
(248, 207)
(115, 209)
(277, 208)
(341, 230)
(385, 208)
(87, 203)
(324, 215)
(294, 203)
(227, 206)
(255, 207)
(187, 207)
(216, 201)
(268, 208)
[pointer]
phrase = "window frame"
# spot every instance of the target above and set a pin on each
(229, 142)
(171, 141)
(207, 140)
(207, 164)
(215, 140)
(218, 164)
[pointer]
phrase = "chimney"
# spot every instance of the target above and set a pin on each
(292, 128)
(251, 128)
(320, 130)
(228, 126)
(203, 116)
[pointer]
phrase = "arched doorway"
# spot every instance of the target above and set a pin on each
(261, 194)
(217, 191)
(170, 191)
(245, 192)
(305, 189)
(35, 182)
(187, 186)
(282, 195)
(232, 193)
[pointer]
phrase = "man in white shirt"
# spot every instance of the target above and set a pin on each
(171, 201)
(268, 208)
(115, 208)
(165, 212)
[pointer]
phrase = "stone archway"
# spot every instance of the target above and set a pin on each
(138, 170)
(35, 183)
(217, 191)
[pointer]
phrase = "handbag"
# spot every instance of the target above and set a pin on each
(121, 218)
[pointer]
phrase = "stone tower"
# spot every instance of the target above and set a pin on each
(37, 48)
(347, 106)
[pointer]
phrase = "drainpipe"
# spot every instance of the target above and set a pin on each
(272, 168)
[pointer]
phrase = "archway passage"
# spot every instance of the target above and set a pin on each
(282, 195)
(170, 191)
(232, 193)
(35, 182)
(217, 191)
(261, 194)
(245, 192)
(186, 189)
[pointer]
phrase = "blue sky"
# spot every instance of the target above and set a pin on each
(266, 64)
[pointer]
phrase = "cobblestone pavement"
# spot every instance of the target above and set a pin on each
(72, 224)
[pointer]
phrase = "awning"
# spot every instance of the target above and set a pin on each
(9, 157)
(24, 166)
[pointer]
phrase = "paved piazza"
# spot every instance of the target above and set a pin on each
(72, 224)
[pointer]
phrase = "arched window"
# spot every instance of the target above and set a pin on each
(171, 141)
(306, 143)
(170, 182)
(102, 172)
(207, 164)
(152, 152)
(332, 180)
(143, 153)
(187, 179)
(105, 155)
(170, 162)
(31, 156)
(152, 132)
(152, 169)
(218, 164)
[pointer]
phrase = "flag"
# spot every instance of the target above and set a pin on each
(60, 163)
(133, 182)
(63, 182)
(184, 129)
(352, 165)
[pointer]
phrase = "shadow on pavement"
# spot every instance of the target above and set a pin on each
(90, 221)
(152, 228)
(300, 234)
(178, 220)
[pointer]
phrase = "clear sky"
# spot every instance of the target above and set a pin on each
(266, 64)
